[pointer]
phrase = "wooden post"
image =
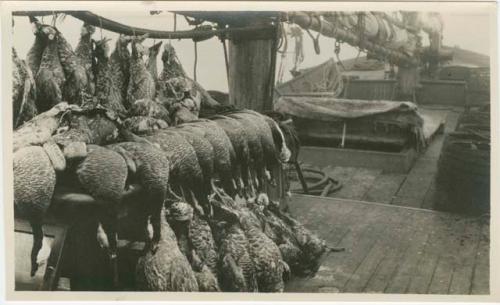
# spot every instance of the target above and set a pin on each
(408, 81)
(434, 48)
(251, 73)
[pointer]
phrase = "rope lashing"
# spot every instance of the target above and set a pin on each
(316, 39)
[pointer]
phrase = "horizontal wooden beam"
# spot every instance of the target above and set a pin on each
(306, 21)
(113, 26)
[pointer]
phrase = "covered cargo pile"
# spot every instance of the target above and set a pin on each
(333, 122)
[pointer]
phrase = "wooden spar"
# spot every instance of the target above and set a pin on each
(113, 26)
(307, 21)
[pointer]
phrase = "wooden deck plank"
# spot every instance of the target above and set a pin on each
(384, 245)
(450, 256)
(431, 196)
(414, 188)
(426, 265)
(358, 243)
(359, 183)
(462, 276)
(384, 187)
(384, 273)
(321, 213)
(481, 274)
(435, 267)
(407, 267)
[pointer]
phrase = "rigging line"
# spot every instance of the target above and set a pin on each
(195, 59)
(100, 27)
(175, 28)
(226, 58)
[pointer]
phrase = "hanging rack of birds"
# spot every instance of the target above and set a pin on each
(178, 202)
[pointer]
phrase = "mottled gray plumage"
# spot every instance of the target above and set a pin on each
(50, 77)
(167, 269)
(34, 183)
(23, 91)
(141, 83)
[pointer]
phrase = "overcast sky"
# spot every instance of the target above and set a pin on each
(466, 30)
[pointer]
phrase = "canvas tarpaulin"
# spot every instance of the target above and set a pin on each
(320, 108)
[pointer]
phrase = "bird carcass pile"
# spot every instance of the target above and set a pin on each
(107, 123)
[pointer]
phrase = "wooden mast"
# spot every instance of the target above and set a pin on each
(251, 72)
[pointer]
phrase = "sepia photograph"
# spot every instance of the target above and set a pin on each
(328, 149)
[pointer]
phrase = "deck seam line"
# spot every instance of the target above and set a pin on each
(447, 214)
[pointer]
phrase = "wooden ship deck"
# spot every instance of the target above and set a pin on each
(394, 249)
(395, 241)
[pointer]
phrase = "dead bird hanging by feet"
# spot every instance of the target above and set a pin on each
(120, 66)
(50, 77)
(225, 157)
(167, 269)
(152, 65)
(238, 136)
(34, 183)
(107, 89)
(78, 87)
(237, 270)
(152, 169)
(141, 84)
(34, 56)
(84, 51)
(107, 187)
(172, 68)
(23, 91)
(185, 172)
(196, 242)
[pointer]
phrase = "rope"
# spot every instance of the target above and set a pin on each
(316, 39)
(54, 17)
(195, 59)
(272, 71)
(299, 47)
(337, 54)
(175, 27)
(226, 60)
(284, 44)
(100, 27)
